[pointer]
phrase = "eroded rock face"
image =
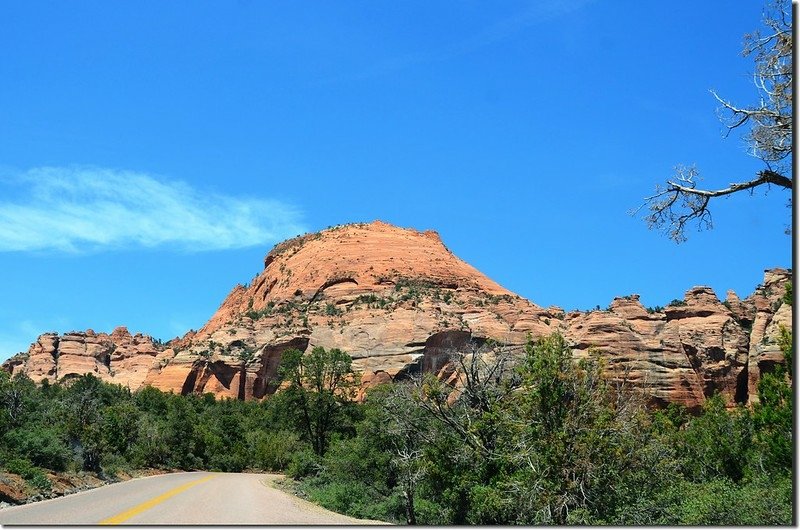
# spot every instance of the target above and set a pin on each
(682, 354)
(399, 302)
(394, 299)
(118, 357)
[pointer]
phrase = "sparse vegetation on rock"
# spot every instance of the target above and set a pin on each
(381, 292)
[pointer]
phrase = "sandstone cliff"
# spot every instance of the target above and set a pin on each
(694, 347)
(120, 357)
(399, 302)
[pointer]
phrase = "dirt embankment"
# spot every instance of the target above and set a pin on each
(16, 490)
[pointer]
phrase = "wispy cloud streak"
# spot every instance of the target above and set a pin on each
(89, 209)
(540, 12)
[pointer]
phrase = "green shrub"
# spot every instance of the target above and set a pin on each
(722, 502)
(34, 476)
(112, 464)
(358, 499)
(18, 466)
(490, 505)
(272, 450)
(40, 481)
(304, 463)
(42, 446)
(340, 497)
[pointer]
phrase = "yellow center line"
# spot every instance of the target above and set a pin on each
(127, 514)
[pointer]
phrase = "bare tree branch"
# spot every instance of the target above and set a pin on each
(680, 203)
(673, 207)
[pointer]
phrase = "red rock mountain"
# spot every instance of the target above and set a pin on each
(399, 302)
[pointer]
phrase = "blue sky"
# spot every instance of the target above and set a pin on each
(151, 153)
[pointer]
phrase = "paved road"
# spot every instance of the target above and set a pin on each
(178, 498)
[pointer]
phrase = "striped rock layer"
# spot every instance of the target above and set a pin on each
(400, 303)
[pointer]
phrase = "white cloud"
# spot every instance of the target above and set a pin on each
(80, 209)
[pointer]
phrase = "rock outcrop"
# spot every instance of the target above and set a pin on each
(120, 357)
(388, 296)
(399, 302)
(685, 352)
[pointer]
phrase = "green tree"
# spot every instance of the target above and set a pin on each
(151, 448)
(401, 430)
(119, 427)
(180, 434)
(84, 398)
(715, 443)
(320, 392)
(773, 414)
(18, 400)
(538, 440)
(584, 443)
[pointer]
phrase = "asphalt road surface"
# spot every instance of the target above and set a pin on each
(179, 498)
